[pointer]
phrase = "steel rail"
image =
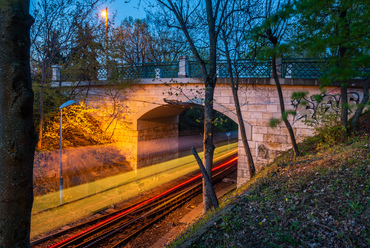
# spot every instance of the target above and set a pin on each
(84, 225)
(108, 189)
(139, 209)
(198, 191)
(134, 222)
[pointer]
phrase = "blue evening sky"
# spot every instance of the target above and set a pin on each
(126, 8)
(122, 8)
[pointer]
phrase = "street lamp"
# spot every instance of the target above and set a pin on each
(104, 13)
(228, 140)
(66, 104)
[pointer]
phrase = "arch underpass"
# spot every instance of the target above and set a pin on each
(158, 132)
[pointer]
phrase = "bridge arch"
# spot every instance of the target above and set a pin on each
(157, 129)
(158, 111)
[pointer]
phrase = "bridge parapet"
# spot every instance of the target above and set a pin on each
(289, 68)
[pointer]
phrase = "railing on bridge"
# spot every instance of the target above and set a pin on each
(246, 69)
(127, 71)
(312, 68)
(242, 69)
(149, 70)
(306, 68)
(86, 74)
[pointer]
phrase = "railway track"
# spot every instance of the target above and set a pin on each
(116, 229)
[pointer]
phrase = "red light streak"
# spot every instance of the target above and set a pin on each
(139, 205)
(96, 203)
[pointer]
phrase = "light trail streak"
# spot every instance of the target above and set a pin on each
(139, 205)
(116, 196)
(128, 191)
(50, 201)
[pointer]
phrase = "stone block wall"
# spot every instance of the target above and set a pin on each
(157, 144)
(269, 142)
(259, 103)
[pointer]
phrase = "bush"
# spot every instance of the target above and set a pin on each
(79, 128)
(328, 131)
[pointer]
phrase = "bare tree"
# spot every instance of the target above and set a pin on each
(83, 60)
(273, 28)
(233, 33)
(360, 108)
(141, 41)
(17, 135)
(198, 19)
(55, 25)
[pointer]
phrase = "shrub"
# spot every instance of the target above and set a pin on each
(328, 131)
(79, 128)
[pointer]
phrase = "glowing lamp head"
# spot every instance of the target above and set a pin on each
(104, 13)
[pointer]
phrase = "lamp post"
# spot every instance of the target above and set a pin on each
(104, 13)
(228, 140)
(66, 104)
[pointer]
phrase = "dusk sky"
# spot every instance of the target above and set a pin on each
(125, 8)
(122, 9)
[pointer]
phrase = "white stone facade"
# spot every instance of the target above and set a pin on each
(142, 109)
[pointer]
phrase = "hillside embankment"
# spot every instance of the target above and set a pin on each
(321, 199)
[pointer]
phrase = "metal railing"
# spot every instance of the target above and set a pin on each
(242, 69)
(305, 68)
(149, 70)
(194, 69)
(311, 68)
(246, 69)
(127, 71)
(83, 74)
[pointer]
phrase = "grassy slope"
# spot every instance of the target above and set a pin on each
(319, 200)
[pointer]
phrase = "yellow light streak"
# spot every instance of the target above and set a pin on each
(132, 185)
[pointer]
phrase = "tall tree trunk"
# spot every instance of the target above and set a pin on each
(206, 177)
(344, 105)
(274, 40)
(17, 134)
(361, 107)
(343, 88)
(234, 87)
(251, 167)
(41, 110)
(210, 79)
(208, 146)
(282, 108)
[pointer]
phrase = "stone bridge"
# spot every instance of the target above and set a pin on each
(141, 117)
